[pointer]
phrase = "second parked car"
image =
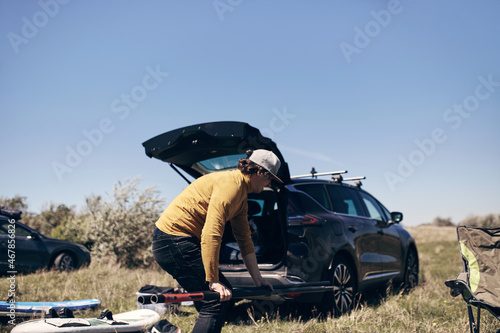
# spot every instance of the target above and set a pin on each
(23, 249)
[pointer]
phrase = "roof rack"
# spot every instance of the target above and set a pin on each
(356, 180)
(314, 174)
(336, 176)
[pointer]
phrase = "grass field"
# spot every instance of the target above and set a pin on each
(429, 308)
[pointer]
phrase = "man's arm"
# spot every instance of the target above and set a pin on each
(250, 261)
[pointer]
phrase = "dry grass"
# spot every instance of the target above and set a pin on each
(432, 234)
(429, 308)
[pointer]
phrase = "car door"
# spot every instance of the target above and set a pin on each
(29, 253)
(4, 248)
(390, 247)
(362, 231)
(311, 232)
(209, 147)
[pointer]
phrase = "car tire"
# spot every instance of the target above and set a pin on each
(341, 300)
(411, 270)
(64, 262)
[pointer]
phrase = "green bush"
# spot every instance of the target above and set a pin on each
(52, 217)
(121, 226)
(16, 202)
(74, 229)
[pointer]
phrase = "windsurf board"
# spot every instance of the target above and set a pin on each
(132, 321)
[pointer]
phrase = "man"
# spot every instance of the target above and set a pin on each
(187, 238)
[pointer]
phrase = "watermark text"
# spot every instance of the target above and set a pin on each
(31, 27)
(122, 107)
(453, 117)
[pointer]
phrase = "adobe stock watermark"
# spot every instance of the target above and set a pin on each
(372, 29)
(221, 7)
(278, 122)
(453, 117)
(12, 270)
(31, 26)
(121, 107)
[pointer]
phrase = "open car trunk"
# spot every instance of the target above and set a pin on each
(266, 214)
(217, 146)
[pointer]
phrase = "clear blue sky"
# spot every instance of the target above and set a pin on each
(406, 93)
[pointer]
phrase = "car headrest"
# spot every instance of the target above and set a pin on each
(253, 208)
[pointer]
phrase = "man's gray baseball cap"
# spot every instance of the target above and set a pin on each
(268, 160)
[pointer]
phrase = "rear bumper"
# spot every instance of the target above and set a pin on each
(243, 280)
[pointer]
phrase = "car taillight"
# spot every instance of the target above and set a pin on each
(302, 220)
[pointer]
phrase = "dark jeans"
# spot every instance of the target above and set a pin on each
(180, 256)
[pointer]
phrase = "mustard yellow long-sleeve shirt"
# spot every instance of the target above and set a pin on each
(203, 209)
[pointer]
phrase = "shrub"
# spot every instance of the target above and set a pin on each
(74, 229)
(17, 202)
(486, 221)
(122, 225)
(51, 217)
(442, 222)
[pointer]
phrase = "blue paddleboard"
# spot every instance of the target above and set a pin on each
(30, 307)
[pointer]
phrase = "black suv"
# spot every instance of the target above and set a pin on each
(307, 230)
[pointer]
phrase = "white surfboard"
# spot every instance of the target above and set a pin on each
(131, 321)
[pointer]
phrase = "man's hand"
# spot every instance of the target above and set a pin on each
(251, 264)
(225, 293)
(264, 283)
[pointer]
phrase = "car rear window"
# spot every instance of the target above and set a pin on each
(222, 162)
(317, 192)
(300, 203)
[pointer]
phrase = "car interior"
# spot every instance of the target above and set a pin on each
(267, 231)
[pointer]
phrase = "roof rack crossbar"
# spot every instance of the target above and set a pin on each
(355, 178)
(314, 174)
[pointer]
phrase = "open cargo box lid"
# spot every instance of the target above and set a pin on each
(208, 147)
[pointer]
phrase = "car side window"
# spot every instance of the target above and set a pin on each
(4, 225)
(386, 213)
(345, 200)
(19, 231)
(317, 192)
(373, 208)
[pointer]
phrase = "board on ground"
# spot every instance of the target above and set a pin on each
(132, 321)
(30, 308)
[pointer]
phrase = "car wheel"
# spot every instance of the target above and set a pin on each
(341, 300)
(64, 262)
(411, 270)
